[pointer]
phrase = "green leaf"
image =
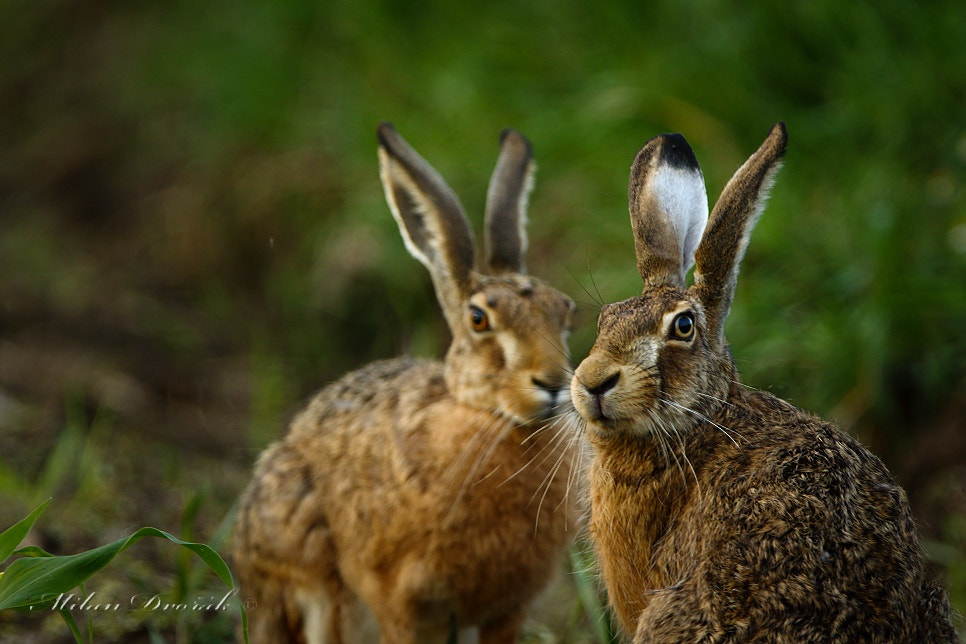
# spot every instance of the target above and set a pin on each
(15, 534)
(38, 581)
(33, 551)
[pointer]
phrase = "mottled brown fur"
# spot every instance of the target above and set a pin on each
(433, 494)
(412, 534)
(722, 514)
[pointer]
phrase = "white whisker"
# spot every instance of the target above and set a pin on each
(544, 448)
(475, 446)
(717, 399)
(564, 442)
(726, 431)
(667, 449)
(577, 454)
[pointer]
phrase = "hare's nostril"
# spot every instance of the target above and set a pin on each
(606, 385)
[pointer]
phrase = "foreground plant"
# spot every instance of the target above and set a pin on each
(40, 580)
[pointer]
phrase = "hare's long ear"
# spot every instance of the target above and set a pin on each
(668, 207)
(729, 228)
(431, 219)
(505, 239)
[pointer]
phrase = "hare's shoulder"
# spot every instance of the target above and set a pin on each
(803, 495)
(791, 449)
(803, 464)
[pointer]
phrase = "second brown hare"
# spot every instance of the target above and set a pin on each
(721, 513)
(432, 496)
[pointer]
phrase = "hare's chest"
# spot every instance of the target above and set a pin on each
(489, 566)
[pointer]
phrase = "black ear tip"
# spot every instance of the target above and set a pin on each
(780, 134)
(384, 132)
(676, 152)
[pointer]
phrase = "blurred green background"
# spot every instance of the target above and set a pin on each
(193, 237)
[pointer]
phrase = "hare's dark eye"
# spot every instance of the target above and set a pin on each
(478, 319)
(682, 328)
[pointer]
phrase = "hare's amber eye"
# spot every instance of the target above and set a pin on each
(682, 328)
(478, 319)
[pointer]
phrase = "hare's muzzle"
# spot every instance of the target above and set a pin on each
(593, 382)
(551, 388)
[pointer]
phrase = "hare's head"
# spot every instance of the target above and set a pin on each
(660, 362)
(509, 350)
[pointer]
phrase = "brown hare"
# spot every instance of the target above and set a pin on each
(719, 513)
(433, 494)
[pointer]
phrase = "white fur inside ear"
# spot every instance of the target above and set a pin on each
(681, 195)
(416, 240)
(522, 207)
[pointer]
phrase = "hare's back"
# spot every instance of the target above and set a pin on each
(374, 397)
(360, 434)
(341, 452)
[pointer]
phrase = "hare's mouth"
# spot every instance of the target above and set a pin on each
(605, 420)
(599, 413)
(530, 409)
(541, 402)
(547, 410)
(611, 423)
(642, 419)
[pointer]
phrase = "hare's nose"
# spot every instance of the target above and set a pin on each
(605, 385)
(550, 388)
(543, 384)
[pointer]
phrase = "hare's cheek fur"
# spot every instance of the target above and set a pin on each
(517, 364)
(535, 375)
(682, 374)
(497, 374)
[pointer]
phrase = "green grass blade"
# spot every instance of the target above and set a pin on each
(581, 564)
(71, 624)
(15, 534)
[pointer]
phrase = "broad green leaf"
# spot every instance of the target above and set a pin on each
(15, 534)
(37, 581)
